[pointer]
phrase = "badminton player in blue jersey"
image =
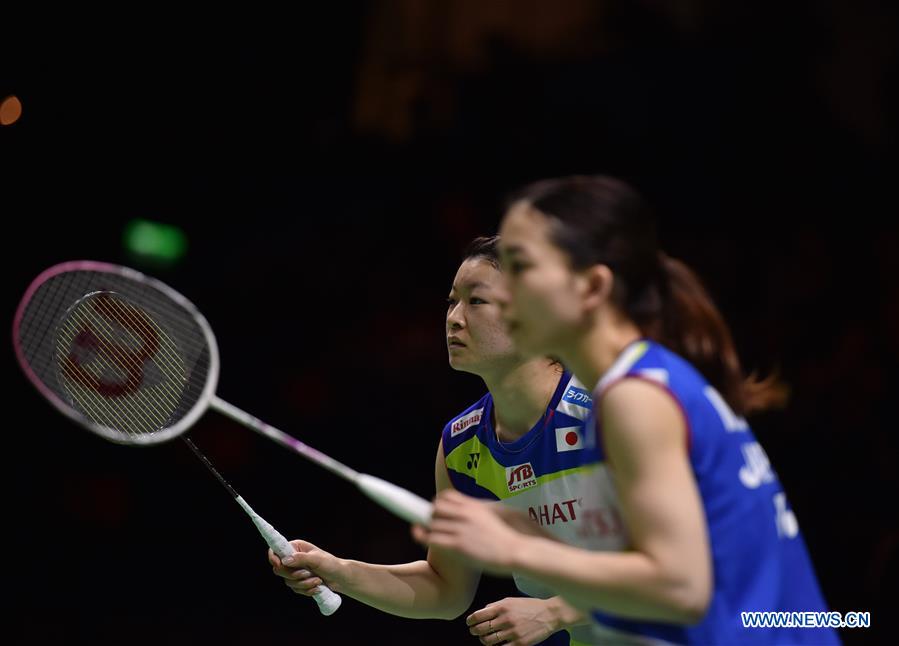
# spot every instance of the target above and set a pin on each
(707, 531)
(518, 444)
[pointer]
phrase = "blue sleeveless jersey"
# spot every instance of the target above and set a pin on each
(760, 562)
(542, 474)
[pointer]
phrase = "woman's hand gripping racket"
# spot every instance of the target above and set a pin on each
(328, 602)
(132, 360)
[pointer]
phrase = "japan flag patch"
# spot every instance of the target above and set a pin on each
(569, 438)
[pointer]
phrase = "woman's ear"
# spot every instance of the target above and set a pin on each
(597, 281)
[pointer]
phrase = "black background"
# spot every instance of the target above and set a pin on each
(327, 168)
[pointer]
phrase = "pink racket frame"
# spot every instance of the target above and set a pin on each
(110, 434)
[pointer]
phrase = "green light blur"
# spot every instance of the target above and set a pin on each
(155, 242)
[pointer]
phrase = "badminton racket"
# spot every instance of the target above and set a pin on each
(132, 360)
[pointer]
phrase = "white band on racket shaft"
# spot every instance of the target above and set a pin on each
(328, 602)
(402, 502)
(409, 506)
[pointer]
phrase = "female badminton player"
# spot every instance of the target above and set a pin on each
(518, 445)
(706, 532)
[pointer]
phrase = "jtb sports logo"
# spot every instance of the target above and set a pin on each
(520, 477)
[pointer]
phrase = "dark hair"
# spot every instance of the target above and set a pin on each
(483, 247)
(601, 220)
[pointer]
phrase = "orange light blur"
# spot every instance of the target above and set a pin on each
(10, 110)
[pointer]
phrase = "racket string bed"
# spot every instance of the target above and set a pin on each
(132, 360)
(135, 419)
(169, 360)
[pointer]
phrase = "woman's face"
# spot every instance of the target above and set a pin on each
(476, 338)
(542, 306)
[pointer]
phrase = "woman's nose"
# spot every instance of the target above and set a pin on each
(454, 318)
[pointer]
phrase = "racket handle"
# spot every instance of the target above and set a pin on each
(402, 502)
(328, 601)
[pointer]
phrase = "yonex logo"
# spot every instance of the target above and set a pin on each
(466, 421)
(473, 459)
(520, 477)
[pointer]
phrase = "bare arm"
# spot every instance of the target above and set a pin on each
(666, 573)
(442, 586)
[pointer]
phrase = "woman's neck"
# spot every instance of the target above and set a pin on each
(521, 395)
(591, 355)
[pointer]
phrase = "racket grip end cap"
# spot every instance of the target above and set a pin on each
(328, 601)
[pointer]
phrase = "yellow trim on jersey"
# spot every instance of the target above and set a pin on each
(490, 474)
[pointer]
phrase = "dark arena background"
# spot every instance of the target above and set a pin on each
(309, 178)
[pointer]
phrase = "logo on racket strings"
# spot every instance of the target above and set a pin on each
(95, 344)
(118, 366)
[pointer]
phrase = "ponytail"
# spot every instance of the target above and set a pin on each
(692, 326)
(602, 220)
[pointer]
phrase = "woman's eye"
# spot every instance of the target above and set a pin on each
(477, 301)
(451, 301)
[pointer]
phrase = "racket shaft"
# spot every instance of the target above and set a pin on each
(397, 500)
(328, 602)
(402, 502)
(283, 439)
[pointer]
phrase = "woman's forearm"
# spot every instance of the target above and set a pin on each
(628, 584)
(413, 590)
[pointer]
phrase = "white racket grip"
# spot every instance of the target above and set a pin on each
(328, 601)
(402, 502)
